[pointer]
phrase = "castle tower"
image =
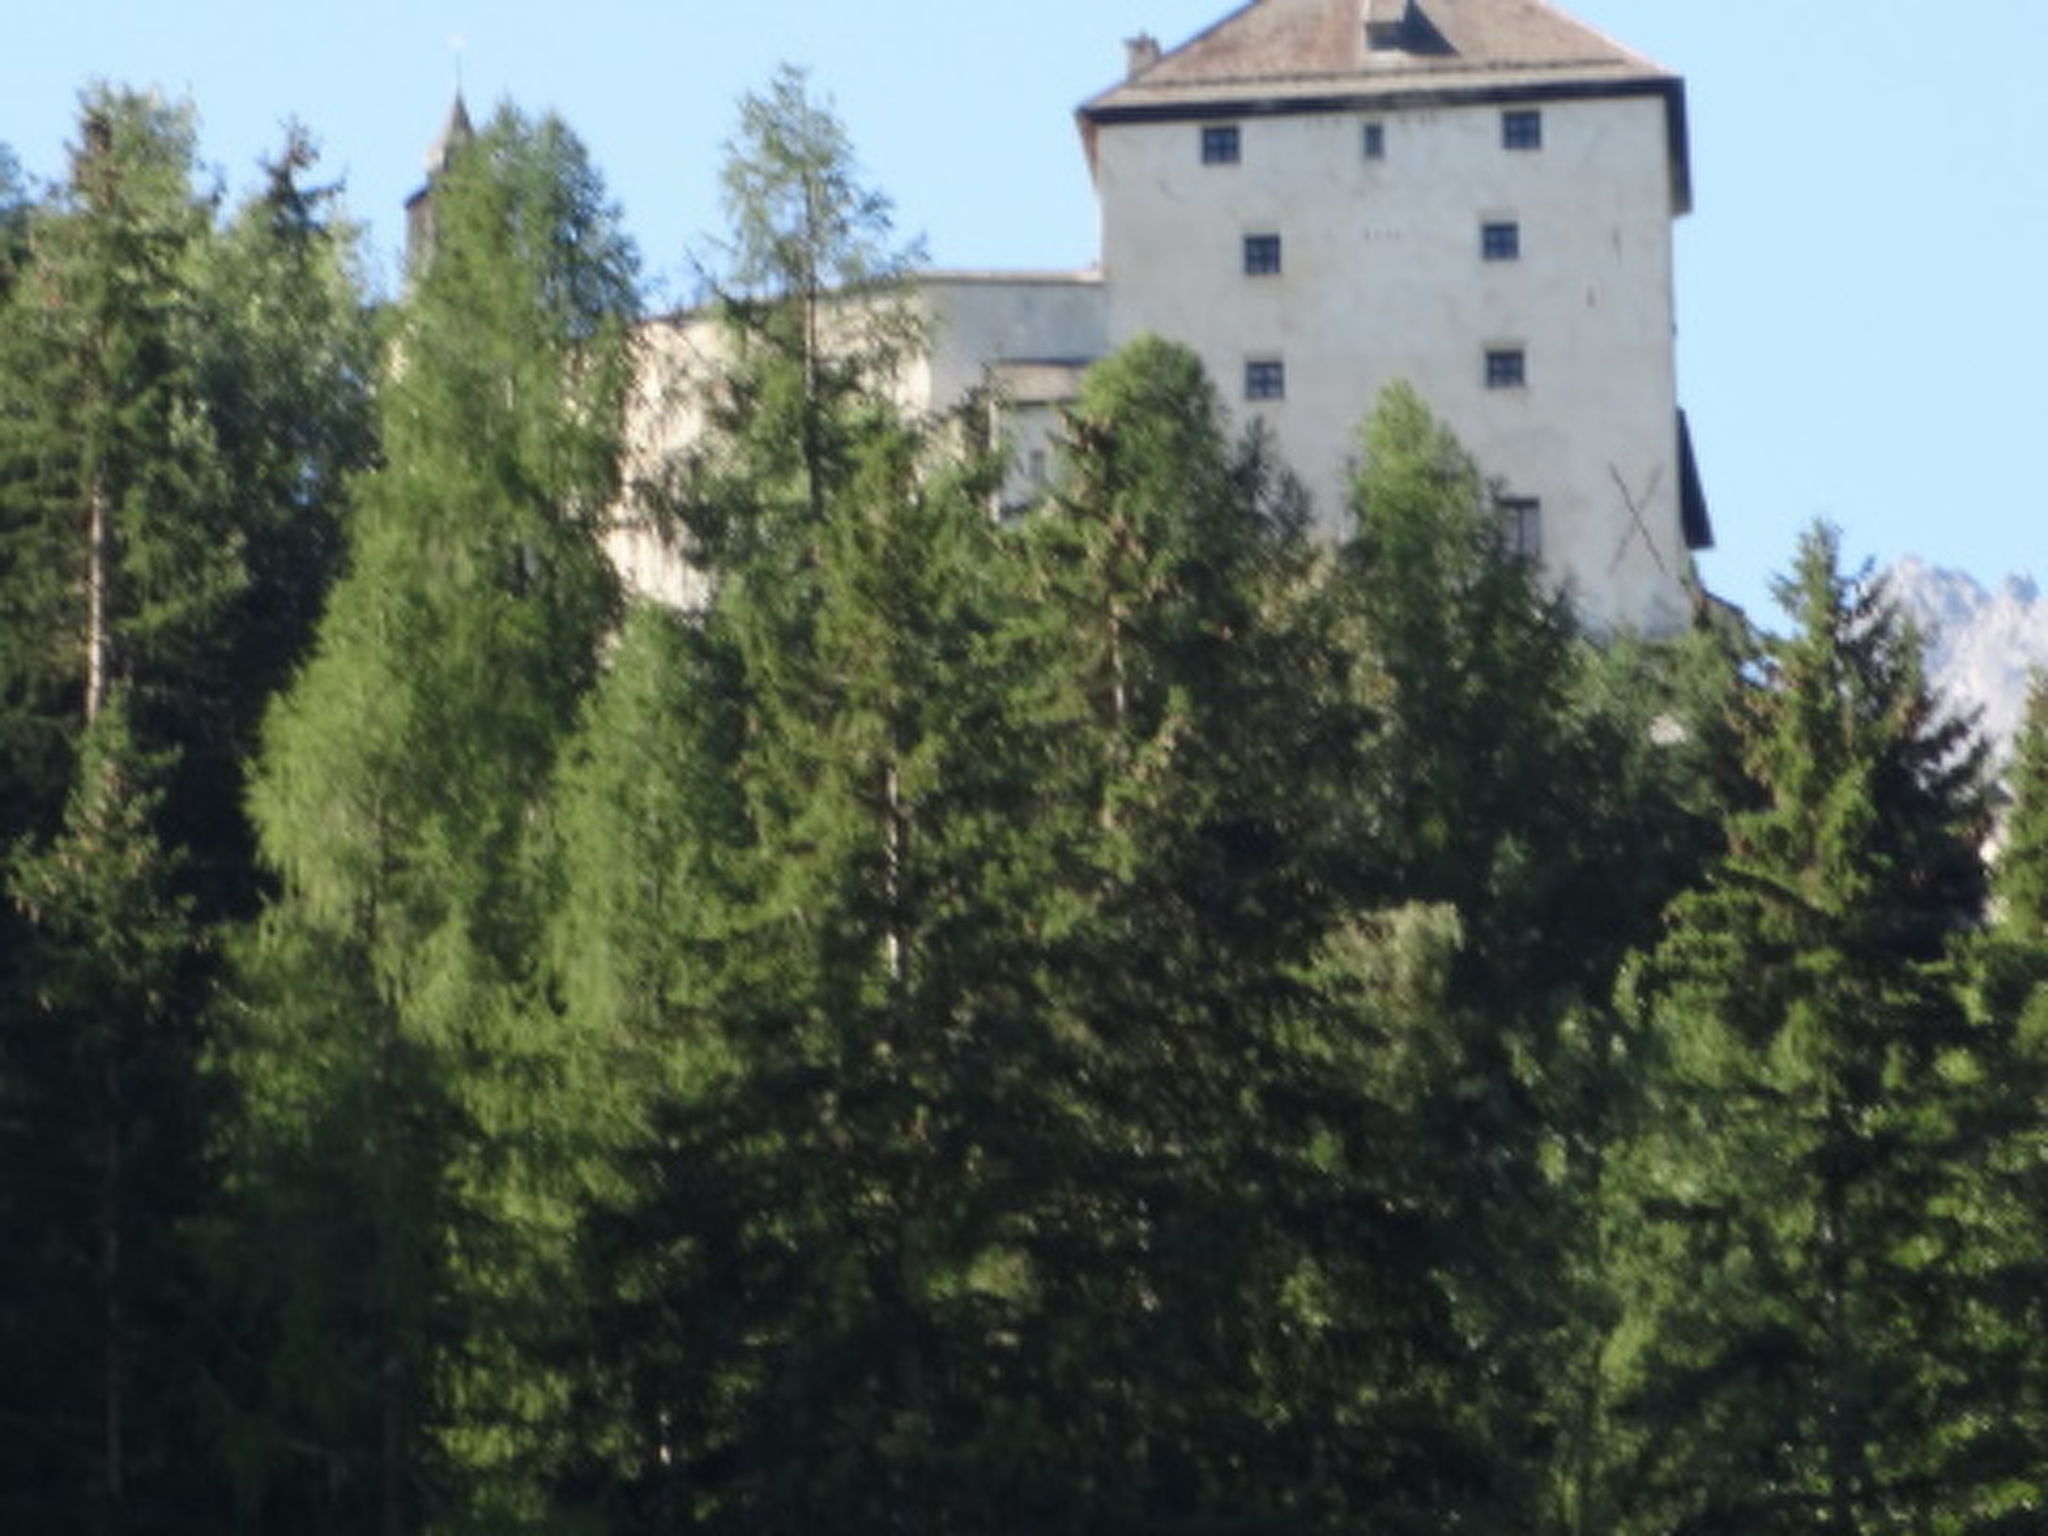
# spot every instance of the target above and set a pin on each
(455, 136)
(1476, 196)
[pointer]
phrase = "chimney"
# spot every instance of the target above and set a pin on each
(1140, 54)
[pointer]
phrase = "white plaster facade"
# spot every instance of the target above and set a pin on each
(1384, 276)
(1023, 338)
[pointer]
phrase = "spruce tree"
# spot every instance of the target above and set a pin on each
(1796, 1211)
(1493, 785)
(1476, 781)
(2020, 886)
(117, 557)
(1244, 1175)
(97, 1330)
(121, 564)
(813, 327)
(15, 203)
(285, 357)
(2003, 1254)
(795, 1303)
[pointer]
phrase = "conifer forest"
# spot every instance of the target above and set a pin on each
(1119, 1018)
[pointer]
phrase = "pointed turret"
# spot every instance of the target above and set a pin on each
(456, 135)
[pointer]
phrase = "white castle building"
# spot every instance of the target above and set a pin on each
(1477, 196)
(1322, 197)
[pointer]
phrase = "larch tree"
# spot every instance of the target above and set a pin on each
(387, 1005)
(793, 1318)
(812, 330)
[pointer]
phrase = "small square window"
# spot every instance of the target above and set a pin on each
(1506, 368)
(1221, 144)
(1500, 240)
(1265, 379)
(1522, 526)
(1375, 141)
(1521, 129)
(1261, 255)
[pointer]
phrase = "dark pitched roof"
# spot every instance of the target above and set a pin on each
(1324, 43)
(1309, 55)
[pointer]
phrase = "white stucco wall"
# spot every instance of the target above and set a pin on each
(982, 319)
(1383, 279)
(1019, 336)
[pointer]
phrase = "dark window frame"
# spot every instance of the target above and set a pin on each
(1265, 379)
(1222, 144)
(1521, 128)
(1263, 255)
(1507, 368)
(1375, 141)
(1522, 525)
(1500, 240)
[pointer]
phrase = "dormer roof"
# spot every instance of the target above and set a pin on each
(1274, 56)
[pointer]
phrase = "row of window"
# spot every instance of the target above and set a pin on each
(1521, 128)
(1499, 240)
(1265, 378)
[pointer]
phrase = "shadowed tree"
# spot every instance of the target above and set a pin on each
(122, 560)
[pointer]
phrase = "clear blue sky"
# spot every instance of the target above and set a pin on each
(1863, 327)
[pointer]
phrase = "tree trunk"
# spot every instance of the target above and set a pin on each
(1843, 1451)
(96, 636)
(113, 1318)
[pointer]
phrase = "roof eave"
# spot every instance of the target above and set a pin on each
(1123, 104)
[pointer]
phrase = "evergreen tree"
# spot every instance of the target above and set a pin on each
(284, 359)
(1795, 1227)
(814, 329)
(116, 554)
(1476, 787)
(1501, 784)
(102, 1154)
(122, 563)
(15, 203)
(787, 914)
(1244, 1072)
(2001, 1362)
(2020, 886)
(645, 823)
(398, 781)
(1655, 720)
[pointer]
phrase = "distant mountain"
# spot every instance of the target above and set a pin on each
(1982, 644)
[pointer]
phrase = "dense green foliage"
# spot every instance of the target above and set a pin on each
(1117, 1018)
(179, 400)
(1817, 1330)
(398, 779)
